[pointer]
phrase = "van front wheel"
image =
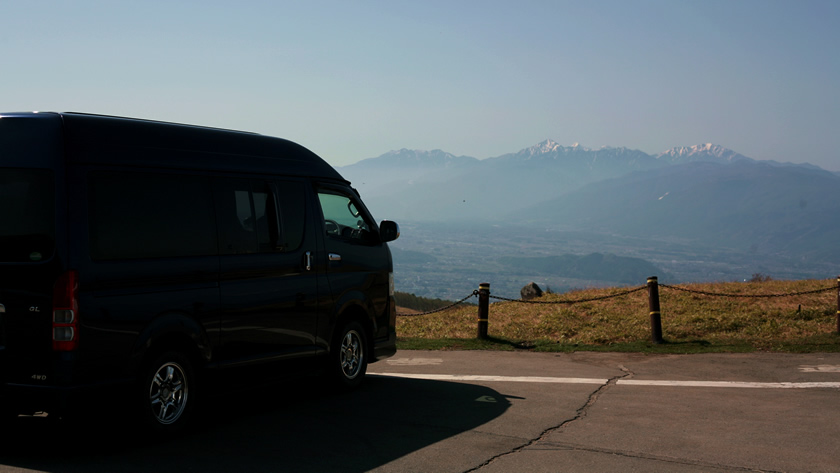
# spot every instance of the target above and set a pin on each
(167, 392)
(349, 360)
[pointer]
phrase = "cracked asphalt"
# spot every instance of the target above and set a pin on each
(649, 413)
(488, 412)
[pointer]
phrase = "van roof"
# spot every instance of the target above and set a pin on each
(135, 142)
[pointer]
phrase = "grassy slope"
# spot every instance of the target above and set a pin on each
(691, 322)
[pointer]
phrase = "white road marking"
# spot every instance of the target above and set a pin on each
(414, 361)
(820, 368)
(725, 384)
(506, 379)
(623, 382)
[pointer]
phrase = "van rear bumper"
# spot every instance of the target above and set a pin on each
(385, 347)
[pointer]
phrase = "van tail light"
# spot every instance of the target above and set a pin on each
(65, 314)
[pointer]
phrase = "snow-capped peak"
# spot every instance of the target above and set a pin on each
(550, 146)
(702, 152)
(546, 146)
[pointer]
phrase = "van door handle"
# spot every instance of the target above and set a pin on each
(307, 260)
(335, 257)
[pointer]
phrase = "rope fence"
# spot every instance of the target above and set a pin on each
(575, 301)
(756, 296)
(450, 306)
(484, 296)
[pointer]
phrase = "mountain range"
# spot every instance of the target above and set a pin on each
(697, 196)
(438, 186)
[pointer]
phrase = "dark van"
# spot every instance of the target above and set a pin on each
(149, 262)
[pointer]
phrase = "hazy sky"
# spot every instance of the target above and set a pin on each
(354, 79)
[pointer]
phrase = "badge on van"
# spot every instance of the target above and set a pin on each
(35, 256)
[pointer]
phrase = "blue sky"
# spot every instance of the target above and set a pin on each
(354, 79)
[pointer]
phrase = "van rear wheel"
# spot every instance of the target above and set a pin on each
(167, 392)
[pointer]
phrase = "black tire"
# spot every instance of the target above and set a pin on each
(348, 360)
(166, 392)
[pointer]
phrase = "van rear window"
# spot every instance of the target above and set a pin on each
(27, 215)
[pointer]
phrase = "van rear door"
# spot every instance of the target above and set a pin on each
(31, 185)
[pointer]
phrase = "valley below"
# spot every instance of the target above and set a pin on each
(449, 261)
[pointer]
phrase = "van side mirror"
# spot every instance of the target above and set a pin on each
(388, 231)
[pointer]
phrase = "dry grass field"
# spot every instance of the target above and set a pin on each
(691, 321)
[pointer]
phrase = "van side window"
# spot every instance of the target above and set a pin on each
(138, 215)
(249, 220)
(343, 219)
(241, 208)
(292, 197)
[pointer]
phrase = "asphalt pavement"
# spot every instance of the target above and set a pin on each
(463, 411)
(596, 412)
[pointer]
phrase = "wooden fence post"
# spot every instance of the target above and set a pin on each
(483, 309)
(655, 317)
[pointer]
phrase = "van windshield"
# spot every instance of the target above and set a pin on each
(27, 215)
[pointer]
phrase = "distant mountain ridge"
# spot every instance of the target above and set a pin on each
(420, 158)
(705, 152)
(435, 185)
(548, 150)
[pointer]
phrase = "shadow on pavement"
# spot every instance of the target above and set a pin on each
(297, 428)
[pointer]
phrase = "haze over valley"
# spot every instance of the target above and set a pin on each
(571, 217)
